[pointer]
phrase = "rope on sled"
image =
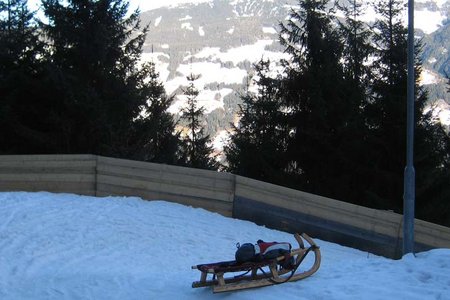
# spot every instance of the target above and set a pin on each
(243, 274)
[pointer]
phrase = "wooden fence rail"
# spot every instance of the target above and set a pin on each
(372, 230)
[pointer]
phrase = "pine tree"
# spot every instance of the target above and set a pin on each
(259, 142)
(153, 136)
(432, 164)
(22, 130)
(357, 50)
(316, 94)
(387, 119)
(95, 49)
(197, 151)
(356, 37)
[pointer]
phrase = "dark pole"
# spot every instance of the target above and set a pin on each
(409, 180)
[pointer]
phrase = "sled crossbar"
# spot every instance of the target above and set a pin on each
(274, 275)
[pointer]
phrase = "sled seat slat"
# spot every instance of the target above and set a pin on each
(231, 266)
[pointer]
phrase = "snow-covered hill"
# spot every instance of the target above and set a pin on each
(64, 247)
(221, 39)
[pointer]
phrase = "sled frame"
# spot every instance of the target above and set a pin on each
(258, 277)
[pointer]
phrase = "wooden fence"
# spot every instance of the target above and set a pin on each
(199, 188)
(376, 231)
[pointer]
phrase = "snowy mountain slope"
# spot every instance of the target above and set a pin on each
(221, 39)
(218, 39)
(64, 247)
(430, 15)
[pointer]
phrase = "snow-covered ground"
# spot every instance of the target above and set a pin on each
(64, 246)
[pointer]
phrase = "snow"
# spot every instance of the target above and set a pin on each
(160, 60)
(439, 3)
(220, 140)
(65, 246)
(201, 31)
(211, 73)
(186, 18)
(251, 52)
(440, 111)
(444, 117)
(158, 20)
(210, 100)
(269, 30)
(428, 77)
(428, 21)
(187, 26)
(145, 5)
(216, 73)
(424, 19)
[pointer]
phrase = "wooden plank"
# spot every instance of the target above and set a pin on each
(56, 164)
(182, 190)
(167, 177)
(222, 207)
(85, 188)
(163, 168)
(53, 173)
(52, 177)
(48, 157)
(220, 279)
(241, 285)
(434, 235)
(39, 164)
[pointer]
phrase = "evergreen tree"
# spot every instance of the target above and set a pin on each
(97, 82)
(153, 136)
(356, 36)
(196, 148)
(258, 144)
(315, 89)
(432, 163)
(22, 128)
(387, 120)
(357, 50)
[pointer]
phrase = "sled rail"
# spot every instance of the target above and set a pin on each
(257, 276)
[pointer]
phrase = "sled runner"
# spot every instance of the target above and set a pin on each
(284, 268)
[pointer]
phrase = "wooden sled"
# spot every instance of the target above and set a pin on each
(258, 274)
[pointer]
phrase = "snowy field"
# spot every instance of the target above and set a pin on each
(63, 246)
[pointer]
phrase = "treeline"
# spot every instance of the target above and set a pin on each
(73, 83)
(333, 122)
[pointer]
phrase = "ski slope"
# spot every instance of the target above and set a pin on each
(64, 246)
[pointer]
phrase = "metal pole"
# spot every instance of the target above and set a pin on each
(409, 179)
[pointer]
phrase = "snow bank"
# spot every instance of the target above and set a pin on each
(63, 246)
